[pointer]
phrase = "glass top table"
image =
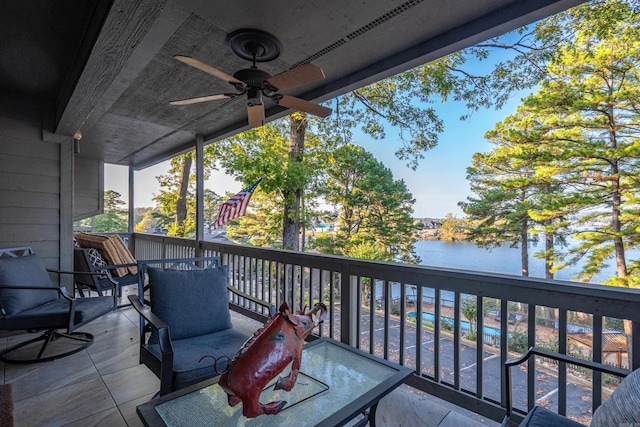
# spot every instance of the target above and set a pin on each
(336, 383)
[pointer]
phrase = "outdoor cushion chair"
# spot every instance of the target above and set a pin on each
(620, 409)
(30, 301)
(94, 274)
(108, 255)
(186, 317)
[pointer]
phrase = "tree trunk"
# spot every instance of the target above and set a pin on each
(616, 223)
(550, 312)
(524, 250)
(292, 198)
(303, 226)
(181, 203)
(524, 256)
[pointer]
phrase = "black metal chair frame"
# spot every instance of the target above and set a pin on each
(99, 279)
(562, 358)
(50, 333)
(163, 367)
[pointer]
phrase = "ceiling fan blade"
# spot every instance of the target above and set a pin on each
(201, 99)
(256, 115)
(196, 63)
(302, 105)
(305, 73)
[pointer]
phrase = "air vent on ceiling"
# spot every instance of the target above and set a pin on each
(362, 30)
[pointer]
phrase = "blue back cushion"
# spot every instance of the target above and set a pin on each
(25, 270)
(190, 302)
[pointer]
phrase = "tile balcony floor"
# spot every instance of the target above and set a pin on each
(102, 385)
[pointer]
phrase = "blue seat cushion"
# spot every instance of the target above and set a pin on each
(187, 368)
(542, 417)
(622, 408)
(55, 313)
(190, 302)
(25, 270)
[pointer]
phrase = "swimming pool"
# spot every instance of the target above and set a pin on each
(464, 325)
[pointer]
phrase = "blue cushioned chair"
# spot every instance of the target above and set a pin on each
(29, 301)
(185, 318)
(617, 410)
(98, 278)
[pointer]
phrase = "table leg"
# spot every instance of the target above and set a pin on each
(372, 415)
(369, 417)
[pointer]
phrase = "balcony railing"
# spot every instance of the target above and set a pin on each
(378, 306)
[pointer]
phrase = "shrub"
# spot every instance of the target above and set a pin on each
(613, 323)
(395, 309)
(518, 342)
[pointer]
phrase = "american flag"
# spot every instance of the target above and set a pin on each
(235, 206)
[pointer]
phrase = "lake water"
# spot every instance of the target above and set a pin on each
(503, 259)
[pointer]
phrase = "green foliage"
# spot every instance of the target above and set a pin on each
(613, 323)
(518, 342)
(211, 205)
(507, 187)
(588, 108)
(261, 225)
(374, 210)
(469, 309)
(115, 217)
(566, 163)
(446, 325)
(289, 169)
(395, 309)
(453, 229)
(176, 198)
(366, 250)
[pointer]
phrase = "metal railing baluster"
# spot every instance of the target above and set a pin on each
(285, 275)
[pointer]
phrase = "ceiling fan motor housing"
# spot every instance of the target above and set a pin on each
(252, 77)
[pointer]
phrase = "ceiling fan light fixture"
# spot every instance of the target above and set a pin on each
(254, 96)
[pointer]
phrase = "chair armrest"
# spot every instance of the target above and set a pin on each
(32, 288)
(114, 266)
(114, 283)
(88, 273)
(145, 311)
(533, 351)
(250, 297)
(164, 339)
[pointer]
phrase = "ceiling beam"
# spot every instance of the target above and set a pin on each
(110, 67)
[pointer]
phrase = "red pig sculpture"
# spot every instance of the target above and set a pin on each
(265, 355)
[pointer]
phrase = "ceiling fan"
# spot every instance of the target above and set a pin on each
(259, 46)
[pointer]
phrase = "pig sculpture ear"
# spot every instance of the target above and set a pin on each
(303, 311)
(284, 311)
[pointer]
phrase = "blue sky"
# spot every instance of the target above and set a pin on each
(438, 184)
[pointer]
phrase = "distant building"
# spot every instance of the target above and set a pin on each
(324, 226)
